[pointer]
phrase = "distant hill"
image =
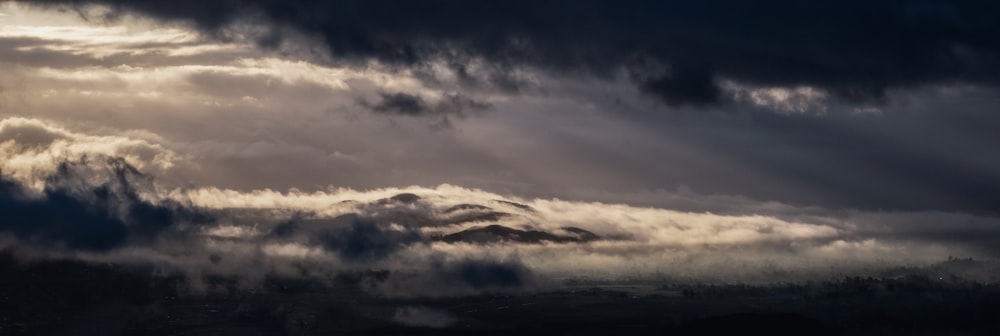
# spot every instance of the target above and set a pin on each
(499, 233)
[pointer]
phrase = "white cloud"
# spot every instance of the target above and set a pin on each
(797, 100)
(640, 241)
(32, 148)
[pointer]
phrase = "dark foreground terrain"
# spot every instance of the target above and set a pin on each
(75, 298)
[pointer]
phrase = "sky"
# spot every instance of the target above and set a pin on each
(692, 135)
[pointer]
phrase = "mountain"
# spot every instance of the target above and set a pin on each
(499, 233)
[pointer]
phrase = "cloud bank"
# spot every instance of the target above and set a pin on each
(448, 240)
(677, 51)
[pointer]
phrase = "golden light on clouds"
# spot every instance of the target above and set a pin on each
(226, 124)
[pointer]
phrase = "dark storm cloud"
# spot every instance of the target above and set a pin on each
(401, 103)
(488, 274)
(674, 50)
(351, 236)
(363, 239)
(75, 214)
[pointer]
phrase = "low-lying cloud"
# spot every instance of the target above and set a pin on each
(435, 241)
(86, 210)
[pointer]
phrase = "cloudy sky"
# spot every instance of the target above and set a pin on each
(684, 132)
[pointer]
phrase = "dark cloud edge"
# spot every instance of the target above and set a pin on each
(676, 51)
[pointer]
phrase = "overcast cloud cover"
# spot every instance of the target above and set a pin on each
(704, 140)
